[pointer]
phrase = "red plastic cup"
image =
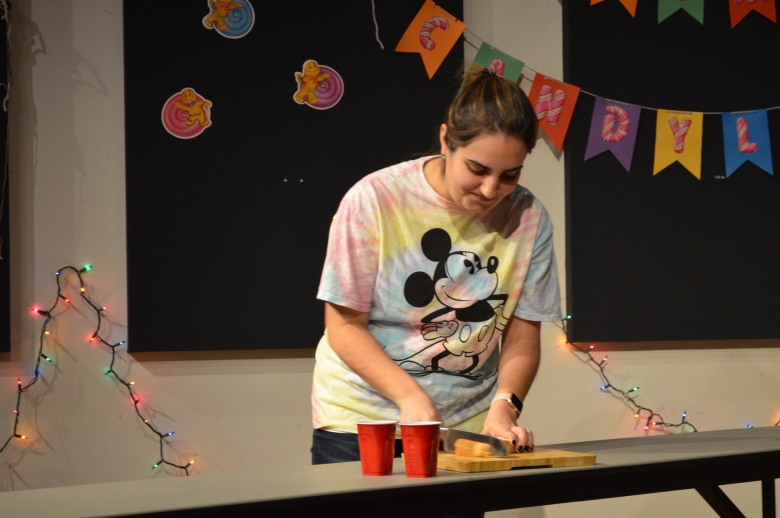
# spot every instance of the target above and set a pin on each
(421, 448)
(376, 440)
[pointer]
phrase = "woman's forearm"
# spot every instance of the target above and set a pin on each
(349, 337)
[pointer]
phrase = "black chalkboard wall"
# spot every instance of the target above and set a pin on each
(224, 254)
(670, 257)
(5, 270)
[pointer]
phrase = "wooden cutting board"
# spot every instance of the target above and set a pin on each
(538, 458)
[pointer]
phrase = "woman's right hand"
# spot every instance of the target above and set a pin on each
(418, 407)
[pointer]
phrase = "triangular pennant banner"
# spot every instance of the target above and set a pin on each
(502, 64)
(613, 128)
(554, 102)
(695, 8)
(746, 137)
(432, 34)
(628, 4)
(738, 9)
(678, 137)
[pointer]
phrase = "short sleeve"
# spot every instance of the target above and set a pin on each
(350, 269)
(541, 298)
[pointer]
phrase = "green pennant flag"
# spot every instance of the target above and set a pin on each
(695, 8)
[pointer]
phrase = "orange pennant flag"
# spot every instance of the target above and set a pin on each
(432, 34)
(628, 4)
(738, 9)
(554, 103)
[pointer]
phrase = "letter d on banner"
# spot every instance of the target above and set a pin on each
(613, 128)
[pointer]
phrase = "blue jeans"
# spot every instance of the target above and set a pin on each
(332, 447)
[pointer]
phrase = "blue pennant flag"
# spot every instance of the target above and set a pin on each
(746, 137)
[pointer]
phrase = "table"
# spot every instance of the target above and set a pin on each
(625, 467)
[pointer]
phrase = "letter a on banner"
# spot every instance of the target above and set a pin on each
(432, 34)
(613, 128)
(738, 9)
(678, 138)
(668, 7)
(746, 137)
(628, 4)
(554, 103)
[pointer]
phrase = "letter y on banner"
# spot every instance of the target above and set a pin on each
(554, 102)
(678, 137)
(746, 137)
(613, 128)
(432, 34)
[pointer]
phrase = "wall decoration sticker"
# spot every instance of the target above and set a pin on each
(186, 114)
(319, 86)
(230, 18)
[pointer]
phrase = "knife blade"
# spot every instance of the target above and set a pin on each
(498, 447)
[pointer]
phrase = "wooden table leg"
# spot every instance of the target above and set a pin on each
(720, 502)
(768, 498)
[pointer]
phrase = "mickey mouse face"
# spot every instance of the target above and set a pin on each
(466, 281)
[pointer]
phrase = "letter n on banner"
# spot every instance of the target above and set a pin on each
(678, 137)
(738, 9)
(554, 102)
(746, 137)
(613, 128)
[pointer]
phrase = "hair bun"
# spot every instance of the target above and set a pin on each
(487, 72)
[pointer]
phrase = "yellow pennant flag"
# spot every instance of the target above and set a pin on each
(678, 137)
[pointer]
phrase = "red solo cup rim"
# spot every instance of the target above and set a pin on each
(370, 423)
(422, 423)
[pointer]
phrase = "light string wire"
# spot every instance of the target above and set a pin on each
(653, 418)
(526, 67)
(95, 338)
(376, 25)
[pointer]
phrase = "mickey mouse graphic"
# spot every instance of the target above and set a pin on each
(471, 311)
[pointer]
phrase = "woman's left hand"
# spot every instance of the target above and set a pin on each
(501, 422)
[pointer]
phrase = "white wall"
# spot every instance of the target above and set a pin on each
(67, 208)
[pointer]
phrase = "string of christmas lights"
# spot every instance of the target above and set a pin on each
(639, 410)
(95, 338)
(652, 418)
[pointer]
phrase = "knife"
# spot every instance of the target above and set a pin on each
(498, 447)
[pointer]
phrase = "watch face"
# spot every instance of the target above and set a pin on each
(518, 404)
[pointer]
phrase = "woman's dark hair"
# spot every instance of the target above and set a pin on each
(488, 103)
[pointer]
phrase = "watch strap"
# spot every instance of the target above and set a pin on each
(510, 398)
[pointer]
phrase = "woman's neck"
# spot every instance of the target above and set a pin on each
(434, 173)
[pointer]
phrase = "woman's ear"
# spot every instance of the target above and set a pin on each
(443, 138)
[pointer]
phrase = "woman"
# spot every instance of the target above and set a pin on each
(430, 264)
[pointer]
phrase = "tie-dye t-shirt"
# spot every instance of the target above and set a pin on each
(439, 285)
